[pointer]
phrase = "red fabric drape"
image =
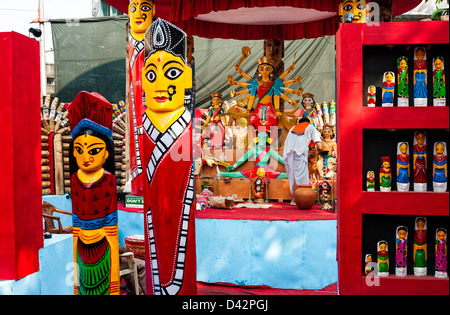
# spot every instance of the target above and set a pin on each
(256, 32)
(183, 14)
(184, 10)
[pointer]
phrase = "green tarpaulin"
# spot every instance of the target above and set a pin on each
(90, 56)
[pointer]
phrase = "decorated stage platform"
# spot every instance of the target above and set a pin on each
(279, 248)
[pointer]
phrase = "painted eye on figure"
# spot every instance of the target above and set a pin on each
(173, 73)
(145, 8)
(79, 150)
(348, 7)
(95, 151)
(133, 9)
(151, 76)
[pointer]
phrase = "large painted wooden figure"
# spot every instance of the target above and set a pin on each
(169, 186)
(94, 197)
(141, 14)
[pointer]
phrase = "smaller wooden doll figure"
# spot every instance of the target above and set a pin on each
(387, 90)
(403, 169)
(370, 181)
(383, 259)
(327, 163)
(94, 196)
(402, 82)
(420, 77)
(420, 161)
(441, 253)
(214, 126)
(385, 174)
(439, 91)
(371, 96)
(368, 265)
(440, 167)
(401, 251)
(309, 110)
(420, 247)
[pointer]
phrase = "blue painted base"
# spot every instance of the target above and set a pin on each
(280, 254)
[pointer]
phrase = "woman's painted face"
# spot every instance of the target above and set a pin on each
(438, 64)
(440, 149)
(165, 78)
(420, 225)
(383, 247)
(308, 103)
(216, 101)
(386, 164)
(401, 234)
(389, 77)
(441, 235)
(403, 64)
(403, 148)
(90, 153)
(141, 13)
(420, 54)
(265, 70)
(420, 138)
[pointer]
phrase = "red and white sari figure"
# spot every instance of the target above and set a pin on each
(141, 13)
(169, 198)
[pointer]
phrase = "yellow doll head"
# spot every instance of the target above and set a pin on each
(141, 13)
(389, 77)
(441, 234)
(403, 64)
(440, 148)
(90, 153)
(403, 147)
(438, 63)
(265, 66)
(402, 232)
(166, 77)
(353, 11)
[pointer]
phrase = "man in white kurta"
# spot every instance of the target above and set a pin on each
(295, 153)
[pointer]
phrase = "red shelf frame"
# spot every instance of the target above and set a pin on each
(352, 119)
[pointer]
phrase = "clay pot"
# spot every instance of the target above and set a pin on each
(304, 197)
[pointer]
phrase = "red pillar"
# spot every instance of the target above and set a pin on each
(20, 157)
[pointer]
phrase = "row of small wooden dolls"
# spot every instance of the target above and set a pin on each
(419, 253)
(420, 84)
(419, 177)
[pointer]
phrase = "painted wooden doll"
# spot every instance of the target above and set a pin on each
(368, 264)
(439, 87)
(420, 247)
(169, 198)
(440, 167)
(94, 197)
(371, 96)
(420, 77)
(370, 181)
(441, 253)
(420, 161)
(387, 90)
(402, 82)
(401, 251)
(383, 259)
(385, 174)
(309, 111)
(141, 14)
(403, 169)
(214, 124)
